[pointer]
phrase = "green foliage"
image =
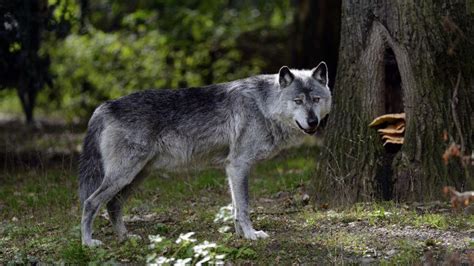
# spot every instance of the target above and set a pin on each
(189, 250)
(47, 230)
(386, 213)
(409, 254)
(245, 253)
(153, 44)
(432, 220)
(76, 253)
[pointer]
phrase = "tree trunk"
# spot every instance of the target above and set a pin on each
(317, 26)
(415, 57)
(27, 99)
(22, 64)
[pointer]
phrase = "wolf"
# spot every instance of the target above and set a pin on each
(233, 125)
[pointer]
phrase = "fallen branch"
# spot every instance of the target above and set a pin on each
(454, 102)
(459, 199)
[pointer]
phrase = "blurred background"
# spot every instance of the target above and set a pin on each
(61, 58)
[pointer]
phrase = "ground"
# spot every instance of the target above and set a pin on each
(40, 214)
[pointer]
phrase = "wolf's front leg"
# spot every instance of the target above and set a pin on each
(237, 173)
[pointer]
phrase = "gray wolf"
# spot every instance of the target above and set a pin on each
(234, 125)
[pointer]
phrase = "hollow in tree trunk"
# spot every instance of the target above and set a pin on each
(415, 57)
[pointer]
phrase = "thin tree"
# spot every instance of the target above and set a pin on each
(21, 65)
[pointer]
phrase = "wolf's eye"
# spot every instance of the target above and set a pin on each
(298, 101)
(316, 99)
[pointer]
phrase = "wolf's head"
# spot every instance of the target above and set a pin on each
(305, 98)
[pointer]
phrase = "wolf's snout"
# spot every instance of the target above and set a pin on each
(313, 122)
(312, 125)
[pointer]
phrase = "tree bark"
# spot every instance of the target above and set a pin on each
(415, 57)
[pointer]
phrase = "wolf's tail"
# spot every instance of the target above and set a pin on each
(91, 172)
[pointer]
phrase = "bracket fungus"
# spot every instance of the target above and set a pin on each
(391, 127)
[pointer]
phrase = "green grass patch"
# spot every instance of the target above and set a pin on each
(408, 253)
(432, 220)
(40, 219)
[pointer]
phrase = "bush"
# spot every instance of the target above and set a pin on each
(176, 47)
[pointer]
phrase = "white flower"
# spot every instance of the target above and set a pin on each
(159, 261)
(219, 259)
(224, 229)
(204, 260)
(224, 214)
(208, 244)
(150, 257)
(205, 245)
(219, 263)
(220, 256)
(182, 262)
(155, 238)
(186, 238)
(202, 250)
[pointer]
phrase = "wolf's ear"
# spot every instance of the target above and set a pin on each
(320, 73)
(285, 76)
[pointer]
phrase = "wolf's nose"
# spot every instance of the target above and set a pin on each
(313, 122)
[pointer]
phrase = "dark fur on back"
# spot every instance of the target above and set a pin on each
(160, 109)
(151, 112)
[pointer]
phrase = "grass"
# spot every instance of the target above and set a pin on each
(40, 215)
(389, 213)
(40, 212)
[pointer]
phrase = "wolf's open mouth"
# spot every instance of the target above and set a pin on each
(307, 131)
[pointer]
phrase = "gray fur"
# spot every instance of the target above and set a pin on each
(233, 125)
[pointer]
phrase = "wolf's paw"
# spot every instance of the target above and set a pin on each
(254, 235)
(92, 243)
(261, 234)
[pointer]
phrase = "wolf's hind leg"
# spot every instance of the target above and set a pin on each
(118, 175)
(115, 206)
